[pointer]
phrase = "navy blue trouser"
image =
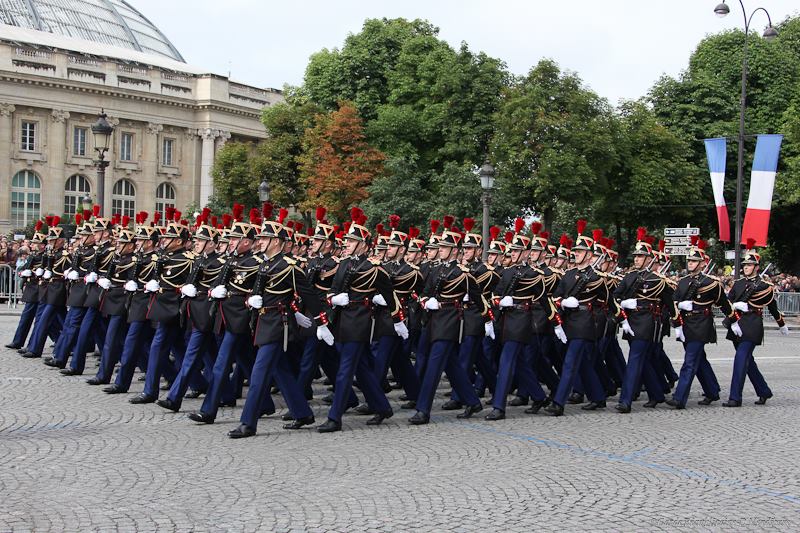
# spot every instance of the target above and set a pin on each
(579, 359)
(49, 320)
(695, 364)
(69, 335)
(615, 361)
(92, 331)
(485, 364)
(112, 347)
(744, 366)
(393, 351)
(640, 369)
(168, 338)
(353, 361)
(234, 347)
(201, 349)
(517, 360)
(25, 323)
(443, 357)
(423, 350)
(136, 346)
(271, 362)
(467, 351)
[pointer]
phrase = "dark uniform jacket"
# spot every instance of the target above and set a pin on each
(279, 281)
(141, 272)
(653, 297)
(533, 309)
(30, 288)
(759, 295)
(705, 292)
(449, 283)
(407, 283)
(588, 319)
(57, 262)
(361, 278)
(80, 261)
(204, 271)
(113, 300)
(172, 270)
(100, 262)
(474, 312)
(238, 275)
(319, 271)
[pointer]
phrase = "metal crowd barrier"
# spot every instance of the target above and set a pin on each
(10, 286)
(788, 303)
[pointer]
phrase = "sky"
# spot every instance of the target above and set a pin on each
(618, 47)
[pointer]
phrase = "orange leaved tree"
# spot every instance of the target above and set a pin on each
(338, 164)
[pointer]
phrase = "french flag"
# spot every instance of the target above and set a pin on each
(762, 182)
(716, 153)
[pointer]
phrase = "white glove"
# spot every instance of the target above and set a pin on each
(570, 303)
(340, 299)
(379, 300)
(465, 298)
(105, 283)
(489, 328)
(67, 272)
(189, 290)
(219, 292)
(685, 305)
(47, 274)
(131, 286)
(91, 277)
(324, 334)
(630, 303)
(679, 334)
(736, 329)
(39, 272)
(401, 329)
(560, 334)
(255, 301)
(152, 286)
(506, 301)
(432, 304)
(25, 273)
(73, 275)
(626, 327)
(302, 320)
(784, 330)
(741, 306)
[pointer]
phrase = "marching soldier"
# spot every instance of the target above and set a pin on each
(30, 289)
(695, 295)
(750, 295)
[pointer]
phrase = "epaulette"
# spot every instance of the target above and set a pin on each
(290, 261)
(715, 278)
(337, 260)
(258, 259)
(190, 255)
(464, 268)
(375, 261)
(154, 257)
(64, 252)
(413, 267)
(490, 268)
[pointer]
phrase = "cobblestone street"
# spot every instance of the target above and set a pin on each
(75, 459)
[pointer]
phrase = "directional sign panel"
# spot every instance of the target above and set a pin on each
(676, 250)
(681, 232)
(677, 241)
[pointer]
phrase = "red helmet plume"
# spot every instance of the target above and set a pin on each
(282, 214)
(536, 227)
(509, 236)
(38, 225)
(125, 221)
(95, 211)
(320, 214)
(434, 226)
(597, 234)
(78, 219)
(751, 242)
(447, 222)
(641, 232)
(519, 224)
(544, 235)
(394, 221)
(494, 231)
(581, 226)
(469, 223)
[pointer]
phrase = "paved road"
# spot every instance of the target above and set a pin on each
(75, 459)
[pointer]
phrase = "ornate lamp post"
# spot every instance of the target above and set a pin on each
(486, 174)
(263, 191)
(769, 33)
(101, 131)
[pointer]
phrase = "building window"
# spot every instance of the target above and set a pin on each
(123, 198)
(79, 141)
(126, 147)
(75, 189)
(166, 152)
(165, 197)
(28, 141)
(25, 198)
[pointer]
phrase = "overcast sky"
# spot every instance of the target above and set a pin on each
(618, 47)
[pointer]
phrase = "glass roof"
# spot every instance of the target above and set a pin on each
(112, 22)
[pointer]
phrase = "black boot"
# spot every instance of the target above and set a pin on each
(169, 405)
(495, 414)
(674, 403)
(594, 406)
(470, 410)
(651, 404)
(518, 401)
(732, 403)
(201, 417)
(242, 432)
(451, 405)
(419, 419)
(554, 410)
(575, 398)
(379, 417)
(143, 398)
(329, 426)
(623, 408)
(708, 400)
(300, 422)
(536, 405)
(363, 409)
(761, 400)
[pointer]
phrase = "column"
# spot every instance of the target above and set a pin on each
(6, 153)
(148, 177)
(53, 181)
(208, 136)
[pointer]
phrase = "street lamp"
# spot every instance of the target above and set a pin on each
(263, 191)
(86, 202)
(486, 174)
(769, 33)
(101, 131)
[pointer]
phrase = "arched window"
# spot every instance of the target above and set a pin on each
(123, 198)
(75, 189)
(25, 198)
(165, 197)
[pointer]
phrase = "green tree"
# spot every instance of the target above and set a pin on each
(234, 180)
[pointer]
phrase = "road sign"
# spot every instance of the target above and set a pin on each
(677, 241)
(681, 232)
(676, 250)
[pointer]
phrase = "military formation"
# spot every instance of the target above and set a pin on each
(211, 306)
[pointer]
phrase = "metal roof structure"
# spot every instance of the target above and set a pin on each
(106, 22)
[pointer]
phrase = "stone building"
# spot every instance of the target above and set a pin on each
(61, 62)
